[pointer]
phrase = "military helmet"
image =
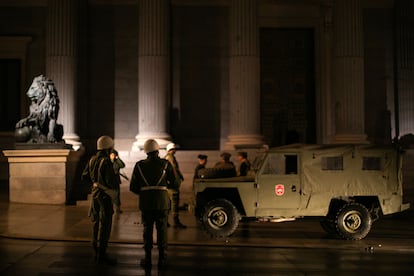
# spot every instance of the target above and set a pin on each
(151, 145)
(171, 146)
(104, 142)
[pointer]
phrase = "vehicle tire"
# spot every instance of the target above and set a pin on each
(353, 221)
(220, 218)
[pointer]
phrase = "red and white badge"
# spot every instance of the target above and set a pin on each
(280, 189)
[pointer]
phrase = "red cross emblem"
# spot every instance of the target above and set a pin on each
(280, 189)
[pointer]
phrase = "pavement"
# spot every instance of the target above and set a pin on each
(71, 223)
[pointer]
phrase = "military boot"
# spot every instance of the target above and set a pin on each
(162, 257)
(178, 224)
(146, 262)
(103, 258)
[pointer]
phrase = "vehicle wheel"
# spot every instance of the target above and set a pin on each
(220, 218)
(353, 221)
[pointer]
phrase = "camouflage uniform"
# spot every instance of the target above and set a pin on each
(150, 180)
(100, 170)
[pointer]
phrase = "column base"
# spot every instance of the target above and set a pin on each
(236, 142)
(163, 139)
(73, 139)
(350, 139)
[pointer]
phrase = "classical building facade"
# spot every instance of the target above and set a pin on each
(213, 74)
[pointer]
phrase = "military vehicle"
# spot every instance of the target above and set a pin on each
(347, 186)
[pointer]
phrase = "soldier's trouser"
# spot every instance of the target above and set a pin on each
(117, 200)
(102, 225)
(159, 218)
(175, 201)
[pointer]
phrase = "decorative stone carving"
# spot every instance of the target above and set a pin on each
(41, 125)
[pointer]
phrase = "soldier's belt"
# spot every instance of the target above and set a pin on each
(146, 188)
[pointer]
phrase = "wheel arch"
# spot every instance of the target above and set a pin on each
(231, 194)
(370, 202)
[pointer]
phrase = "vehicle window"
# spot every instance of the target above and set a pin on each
(291, 164)
(332, 163)
(281, 164)
(257, 162)
(371, 164)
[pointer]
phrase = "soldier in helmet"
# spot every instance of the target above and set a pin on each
(175, 192)
(151, 179)
(99, 171)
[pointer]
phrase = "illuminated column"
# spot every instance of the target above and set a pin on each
(244, 126)
(153, 72)
(348, 72)
(61, 61)
(405, 65)
(324, 107)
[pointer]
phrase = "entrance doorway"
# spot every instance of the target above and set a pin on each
(9, 93)
(287, 86)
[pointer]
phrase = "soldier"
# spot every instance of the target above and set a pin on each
(175, 192)
(244, 163)
(151, 179)
(225, 166)
(99, 171)
(118, 164)
(202, 161)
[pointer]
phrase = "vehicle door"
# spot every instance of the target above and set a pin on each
(278, 184)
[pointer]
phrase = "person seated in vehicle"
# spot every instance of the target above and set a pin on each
(202, 162)
(225, 167)
(244, 167)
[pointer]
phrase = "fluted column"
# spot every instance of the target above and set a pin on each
(348, 78)
(324, 104)
(61, 61)
(153, 71)
(244, 126)
(405, 65)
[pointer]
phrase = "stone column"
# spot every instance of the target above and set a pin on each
(153, 72)
(348, 72)
(405, 65)
(244, 109)
(61, 61)
(324, 104)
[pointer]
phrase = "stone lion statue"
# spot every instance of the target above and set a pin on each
(41, 125)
